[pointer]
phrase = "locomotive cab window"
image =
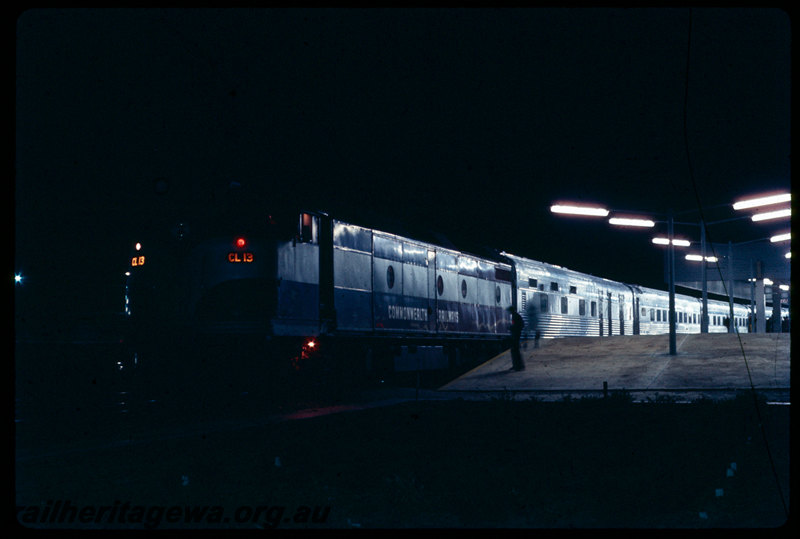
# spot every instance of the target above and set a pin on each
(573, 289)
(532, 283)
(308, 228)
(554, 287)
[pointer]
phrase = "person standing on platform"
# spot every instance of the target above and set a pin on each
(516, 332)
(533, 323)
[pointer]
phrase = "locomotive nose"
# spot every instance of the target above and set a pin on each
(239, 289)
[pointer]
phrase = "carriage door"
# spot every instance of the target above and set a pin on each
(600, 311)
(636, 327)
(432, 295)
(610, 317)
(621, 314)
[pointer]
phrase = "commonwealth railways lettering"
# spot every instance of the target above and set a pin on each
(401, 312)
(417, 314)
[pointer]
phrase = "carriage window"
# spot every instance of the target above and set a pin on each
(532, 283)
(652, 315)
(594, 308)
(463, 288)
(582, 307)
(554, 287)
(644, 312)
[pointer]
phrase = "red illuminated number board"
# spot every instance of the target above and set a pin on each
(237, 258)
(137, 261)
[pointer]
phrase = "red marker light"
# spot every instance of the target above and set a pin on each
(240, 242)
(312, 343)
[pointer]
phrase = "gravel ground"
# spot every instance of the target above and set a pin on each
(588, 463)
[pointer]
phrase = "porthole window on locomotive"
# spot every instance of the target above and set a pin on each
(390, 277)
(497, 294)
(463, 288)
(439, 285)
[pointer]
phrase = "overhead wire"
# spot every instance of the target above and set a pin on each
(719, 270)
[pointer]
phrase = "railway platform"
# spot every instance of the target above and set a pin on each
(705, 366)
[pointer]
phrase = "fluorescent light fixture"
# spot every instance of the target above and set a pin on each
(579, 210)
(781, 237)
(676, 243)
(622, 221)
(772, 215)
(762, 201)
(767, 281)
(784, 287)
(698, 258)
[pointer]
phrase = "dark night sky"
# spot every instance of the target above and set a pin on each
(469, 123)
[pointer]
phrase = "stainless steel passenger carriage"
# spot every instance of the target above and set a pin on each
(570, 303)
